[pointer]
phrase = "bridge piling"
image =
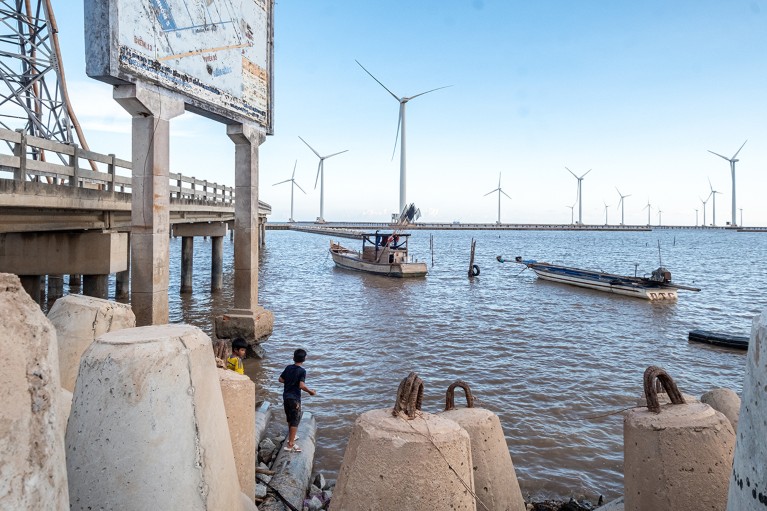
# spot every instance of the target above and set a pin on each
(217, 264)
(187, 263)
(96, 286)
(32, 285)
(55, 287)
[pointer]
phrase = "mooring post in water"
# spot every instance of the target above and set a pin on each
(473, 268)
(431, 247)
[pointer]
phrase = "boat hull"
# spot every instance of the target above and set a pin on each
(400, 270)
(603, 282)
(719, 339)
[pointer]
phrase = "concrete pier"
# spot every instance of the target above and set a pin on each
(217, 264)
(216, 231)
(96, 286)
(151, 109)
(187, 263)
(55, 287)
(32, 284)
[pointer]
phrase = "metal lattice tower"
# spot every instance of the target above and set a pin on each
(32, 90)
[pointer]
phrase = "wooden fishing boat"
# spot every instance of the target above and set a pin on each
(718, 339)
(656, 287)
(382, 254)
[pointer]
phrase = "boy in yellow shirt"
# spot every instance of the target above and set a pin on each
(239, 347)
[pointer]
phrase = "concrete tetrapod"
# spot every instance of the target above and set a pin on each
(748, 483)
(405, 459)
(725, 401)
(79, 319)
(495, 480)
(676, 456)
(148, 428)
(33, 471)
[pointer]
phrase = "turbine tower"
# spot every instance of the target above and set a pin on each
(648, 208)
(696, 217)
(580, 203)
(704, 208)
(401, 131)
(321, 178)
(500, 191)
(732, 161)
(293, 184)
(572, 214)
(660, 217)
(713, 204)
(621, 202)
(606, 206)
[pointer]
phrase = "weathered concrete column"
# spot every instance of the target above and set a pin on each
(55, 286)
(217, 263)
(187, 263)
(31, 284)
(152, 110)
(96, 286)
(122, 280)
(75, 281)
(239, 393)
(33, 468)
(748, 481)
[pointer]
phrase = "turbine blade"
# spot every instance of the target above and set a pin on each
(736, 154)
(310, 147)
(619, 192)
(396, 135)
(712, 152)
(316, 179)
(299, 187)
(710, 185)
(491, 191)
(506, 194)
(294, 170)
(499, 180)
(376, 79)
(584, 175)
(334, 154)
(571, 172)
(287, 180)
(428, 91)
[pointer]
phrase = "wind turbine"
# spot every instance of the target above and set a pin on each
(713, 204)
(606, 206)
(696, 217)
(499, 197)
(660, 217)
(321, 177)
(621, 202)
(580, 203)
(648, 208)
(572, 209)
(401, 131)
(704, 208)
(293, 184)
(732, 170)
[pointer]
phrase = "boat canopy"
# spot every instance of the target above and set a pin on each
(392, 240)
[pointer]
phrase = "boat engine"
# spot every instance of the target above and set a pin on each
(661, 275)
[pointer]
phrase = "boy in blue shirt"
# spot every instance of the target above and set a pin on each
(293, 377)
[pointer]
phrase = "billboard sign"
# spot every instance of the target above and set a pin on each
(217, 54)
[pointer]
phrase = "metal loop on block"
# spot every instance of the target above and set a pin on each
(450, 395)
(409, 396)
(653, 374)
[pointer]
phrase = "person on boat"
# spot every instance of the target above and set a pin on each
(293, 378)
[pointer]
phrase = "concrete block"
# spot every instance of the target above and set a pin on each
(78, 320)
(239, 393)
(212, 229)
(725, 401)
(254, 328)
(148, 424)
(748, 483)
(33, 469)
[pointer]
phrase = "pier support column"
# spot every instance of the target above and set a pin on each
(31, 284)
(152, 109)
(55, 287)
(122, 280)
(75, 281)
(96, 286)
(217, 263)
(187, 263)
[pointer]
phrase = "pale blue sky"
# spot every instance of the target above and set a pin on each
(636, 91)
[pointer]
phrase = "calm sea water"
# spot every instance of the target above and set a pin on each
(547, 358)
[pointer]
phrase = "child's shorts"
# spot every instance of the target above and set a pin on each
(293, 411)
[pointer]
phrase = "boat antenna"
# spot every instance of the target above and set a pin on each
(660, 258)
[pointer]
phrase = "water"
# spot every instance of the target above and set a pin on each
(546, 358)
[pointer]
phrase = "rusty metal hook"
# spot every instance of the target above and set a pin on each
(653, 374)
(409, 396)
(450, 395)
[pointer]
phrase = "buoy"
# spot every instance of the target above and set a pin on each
(676, 456)
(405, 459)
(748, 483)
(495, 481)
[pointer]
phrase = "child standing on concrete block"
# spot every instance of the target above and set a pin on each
(239, 348)
(293, 377)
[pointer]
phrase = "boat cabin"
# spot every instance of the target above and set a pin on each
(387, 247)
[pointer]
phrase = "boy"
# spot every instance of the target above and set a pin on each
(293, 377)
(239, 347)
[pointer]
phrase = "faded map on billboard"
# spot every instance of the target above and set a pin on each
(215, 52)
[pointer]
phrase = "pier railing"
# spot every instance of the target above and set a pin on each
(41, 160)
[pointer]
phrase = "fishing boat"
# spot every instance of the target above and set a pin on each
(656, 287)
(382, 254)
(719, 339)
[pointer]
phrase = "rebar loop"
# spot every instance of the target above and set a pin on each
(653, 374)
(450, 395)
(409, 396)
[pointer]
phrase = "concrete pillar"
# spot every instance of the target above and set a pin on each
(217, 263)
(239, 393)
(148, 426)
(31, 284)
(122, 280)
(75, 281)
(96, 286)
(33, 468)
(55, 287)
(80, 319)
(187, 263)
(152, 110)
(748, 482)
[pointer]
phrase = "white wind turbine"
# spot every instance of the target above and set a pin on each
(621, 202)
(648, 208)
(401, 131)
(732, 161)
(713, 204)
(572, 214)
(500, 191)
(696, 217)
(580, 202)
(606, 206)
(704, 208)
(321, 177)
(660, 217)
(293, 184)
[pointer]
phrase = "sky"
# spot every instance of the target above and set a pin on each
(635, 92)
